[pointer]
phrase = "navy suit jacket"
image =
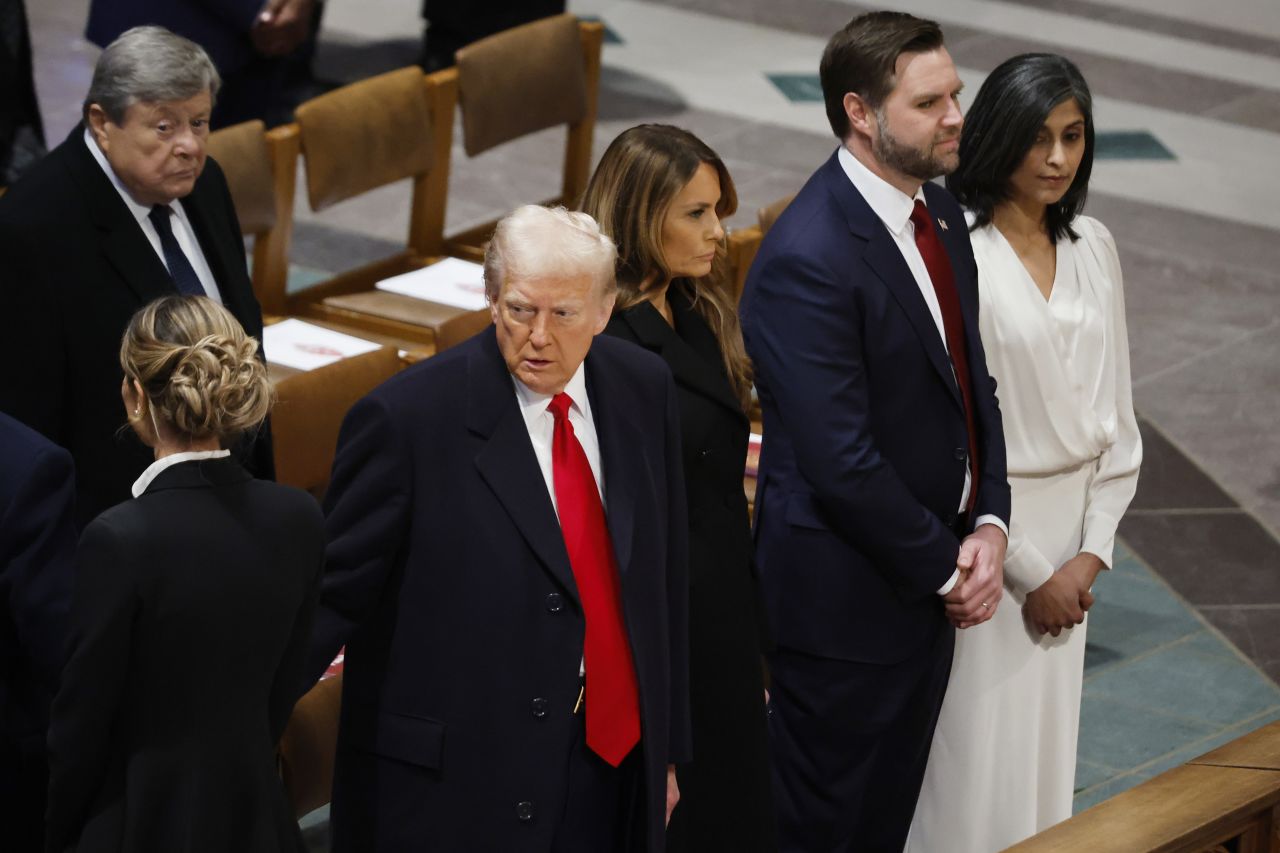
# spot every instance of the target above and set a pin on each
(221, 27)
(37, 551)
(865, 442)
(448, 581)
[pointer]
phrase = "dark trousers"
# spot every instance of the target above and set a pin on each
(603, 806)
(24, 779)
(849, 742)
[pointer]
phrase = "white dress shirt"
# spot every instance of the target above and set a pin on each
(894, 207)
(541, 425)
(182, 230)
(155, 468)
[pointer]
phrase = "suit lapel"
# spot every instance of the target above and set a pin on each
(693, 362)
(619, 440)
(228, 269)
(885, 259)
(125, 246)
(507, 461)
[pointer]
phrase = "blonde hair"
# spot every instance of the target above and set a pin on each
(637, 179)
(199, 370)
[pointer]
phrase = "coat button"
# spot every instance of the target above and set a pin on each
(960, 454)
(524, 810)
(555, 602)
(539, 707)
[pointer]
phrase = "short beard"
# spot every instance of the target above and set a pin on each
(904, 159)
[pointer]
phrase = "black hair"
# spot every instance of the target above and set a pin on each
(1001, 127)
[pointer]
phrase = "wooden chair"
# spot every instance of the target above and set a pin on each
(388, 128)
(740, 247)
(769, 214)
(309, 413)
(309, 745)
(260, 167)
(523, 80)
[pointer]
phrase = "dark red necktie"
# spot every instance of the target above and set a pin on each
(612, 698)
(944, 286)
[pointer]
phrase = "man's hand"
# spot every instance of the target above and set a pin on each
(1061, 601)
(673, 791)
(281, 26)
(981, 564)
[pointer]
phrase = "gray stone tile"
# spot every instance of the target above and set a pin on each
(1214, 559)
(1161, 24)
(1256, 632)
(1170, 480)
(1089, 773)
(1090, 797)
(1259, 108)
(1222, 409)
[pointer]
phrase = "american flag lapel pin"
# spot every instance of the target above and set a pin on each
(942, 223)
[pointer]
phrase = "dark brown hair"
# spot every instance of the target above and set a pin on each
(861, 58)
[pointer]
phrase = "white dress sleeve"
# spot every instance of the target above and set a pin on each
(1115, 477)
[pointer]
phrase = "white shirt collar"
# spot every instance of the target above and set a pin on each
(139, 211)
(533, 404)
(155, 468)
(891, 204)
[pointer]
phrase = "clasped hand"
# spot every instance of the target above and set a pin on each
(1062, 600)
(281, 26)
(973, 599)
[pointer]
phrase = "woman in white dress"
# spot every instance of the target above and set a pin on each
(1002, 766)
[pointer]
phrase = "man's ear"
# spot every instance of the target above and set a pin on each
(859, 114)
(98, 125)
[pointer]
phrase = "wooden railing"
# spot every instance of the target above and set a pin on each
(1226, 801)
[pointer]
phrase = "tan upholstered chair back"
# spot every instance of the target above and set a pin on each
(241, 151)
(521, 80)
(769, 214)
(366, 135)
(309, 413)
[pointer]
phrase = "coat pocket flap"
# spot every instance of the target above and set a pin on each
(416, 740)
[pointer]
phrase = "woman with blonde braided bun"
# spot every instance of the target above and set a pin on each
(191, 615)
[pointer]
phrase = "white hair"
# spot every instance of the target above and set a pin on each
(540, 242)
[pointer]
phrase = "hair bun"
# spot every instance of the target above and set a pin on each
(200, 370)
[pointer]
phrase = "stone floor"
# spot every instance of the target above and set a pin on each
(1184, 647)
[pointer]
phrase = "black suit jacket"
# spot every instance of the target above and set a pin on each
(37, 543)
(190, 625)
(865, 441)
(449, 583)
(76, 266)
(726, 801)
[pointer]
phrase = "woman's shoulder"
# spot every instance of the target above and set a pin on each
(1092, 229)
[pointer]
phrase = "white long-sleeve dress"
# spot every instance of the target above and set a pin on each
(1002, 765)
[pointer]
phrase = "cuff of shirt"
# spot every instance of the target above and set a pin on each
(950, 584)
(992, 519)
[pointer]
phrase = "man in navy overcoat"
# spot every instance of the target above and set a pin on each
(451, 584)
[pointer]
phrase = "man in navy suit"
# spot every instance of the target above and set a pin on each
(37, 547)
(507, 571)
(882, 505)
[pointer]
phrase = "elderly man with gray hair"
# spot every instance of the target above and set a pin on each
(507, 571)
(126, 210)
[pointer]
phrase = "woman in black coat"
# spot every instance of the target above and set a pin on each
(191, 614)
(660, 193)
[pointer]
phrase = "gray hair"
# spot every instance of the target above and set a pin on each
(548, 242)
(149, 64)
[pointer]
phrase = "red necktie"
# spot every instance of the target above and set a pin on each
(612, 698)
(944, 286)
